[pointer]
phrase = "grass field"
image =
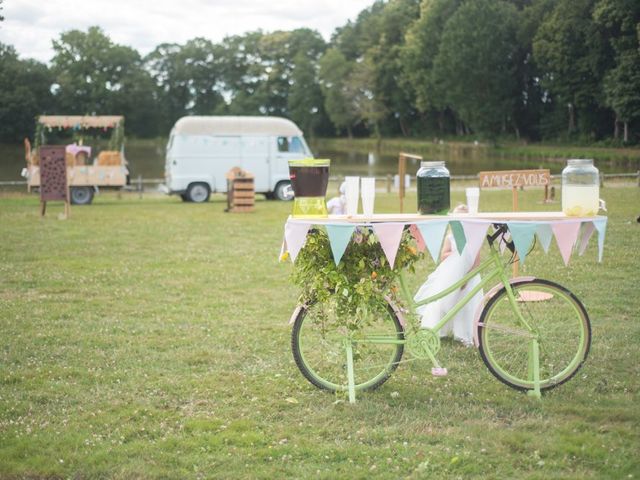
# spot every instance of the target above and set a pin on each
(146, 338)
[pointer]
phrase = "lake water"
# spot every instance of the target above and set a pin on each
(146, 158)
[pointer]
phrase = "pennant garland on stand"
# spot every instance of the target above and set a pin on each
(389, 235)
(475, 233)
(566, 236)
(458, 235)
(339, 236)
(471, 234)
(587, 230)
(601, 226)
(295, 236)
(433, 233)
(545, 235)
(522, 235)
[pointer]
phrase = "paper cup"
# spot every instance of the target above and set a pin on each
(352, 194)
(473, 198)
(368, 194)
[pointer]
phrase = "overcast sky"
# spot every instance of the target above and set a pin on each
(31, 25)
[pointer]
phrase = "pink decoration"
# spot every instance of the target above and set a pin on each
(566, 235)
(389, 236)
(295, 234)
(415, 231)
(74, 149)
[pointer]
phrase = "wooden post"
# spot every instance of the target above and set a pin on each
(402, 172)
(402, 168)
(390, 182)
(139, 186)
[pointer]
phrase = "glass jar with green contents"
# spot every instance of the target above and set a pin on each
(433, 188)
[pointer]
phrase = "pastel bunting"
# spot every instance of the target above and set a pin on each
(433, 233)
(339, 237)
(566, 235)
(389, 235)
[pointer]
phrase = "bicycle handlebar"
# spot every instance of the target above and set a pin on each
(501, 230)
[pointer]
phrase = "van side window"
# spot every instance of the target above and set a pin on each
(290, 144)
(283, 144)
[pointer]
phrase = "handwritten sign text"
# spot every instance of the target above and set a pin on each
(514, 178)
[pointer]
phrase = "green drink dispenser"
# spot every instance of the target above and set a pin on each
(309, 179)
(434, 196)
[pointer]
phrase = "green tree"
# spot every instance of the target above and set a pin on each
(259, 68)
(475, 65)
(366, 105)
(573, 56)
(305, 100)
(392, 90)
(335, 70)
(619, 20)
(94, 75)
(420, 51)
(189, 78)
(25, 92)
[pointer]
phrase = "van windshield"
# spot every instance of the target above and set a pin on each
(292, 145)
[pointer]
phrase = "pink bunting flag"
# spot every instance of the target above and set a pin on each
(295, 234)
(475, 232)
(566, 234)
(415, 231)
(389, 235)
(587, 230)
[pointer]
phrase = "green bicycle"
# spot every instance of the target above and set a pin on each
(532, 334)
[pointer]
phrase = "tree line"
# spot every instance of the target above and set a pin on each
(529, 69)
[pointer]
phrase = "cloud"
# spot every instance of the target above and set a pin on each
(31, 25)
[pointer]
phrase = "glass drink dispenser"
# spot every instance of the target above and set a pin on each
(580, 188)
(309, 179)
(433, 188)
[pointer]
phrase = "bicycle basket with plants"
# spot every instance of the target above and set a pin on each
(355, 289)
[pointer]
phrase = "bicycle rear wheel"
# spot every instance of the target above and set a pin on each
(319, 348)
(556, 319)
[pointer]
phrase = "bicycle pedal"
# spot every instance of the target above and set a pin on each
(439, 372)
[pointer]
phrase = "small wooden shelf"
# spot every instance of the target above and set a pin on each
(240, 191)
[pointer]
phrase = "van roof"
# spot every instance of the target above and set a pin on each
(230, 125)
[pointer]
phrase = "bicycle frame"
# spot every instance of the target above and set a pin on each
(492, 268)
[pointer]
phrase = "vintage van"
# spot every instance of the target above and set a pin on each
(202, 149)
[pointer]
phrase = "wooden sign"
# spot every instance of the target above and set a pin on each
(53, 177)
(515, 178)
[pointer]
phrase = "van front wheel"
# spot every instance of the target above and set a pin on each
(198, 193)
(283, 191)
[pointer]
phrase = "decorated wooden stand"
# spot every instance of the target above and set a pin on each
(240, 191)
(571, 234)
(53, 178)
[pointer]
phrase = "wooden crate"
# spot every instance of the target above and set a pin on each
(240, 191)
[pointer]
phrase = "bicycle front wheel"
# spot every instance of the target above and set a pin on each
(319, 348)
(552, 315)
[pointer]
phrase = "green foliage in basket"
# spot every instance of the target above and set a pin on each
(353, 288)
